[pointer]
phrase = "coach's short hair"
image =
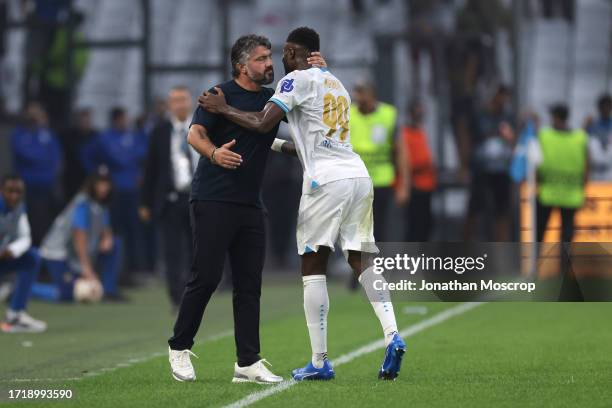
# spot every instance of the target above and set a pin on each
(306, 37)
(243, 47)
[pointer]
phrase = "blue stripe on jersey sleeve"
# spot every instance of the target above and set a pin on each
(279, 104)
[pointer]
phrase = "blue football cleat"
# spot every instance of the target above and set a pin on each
(310, 372)
(393, 359)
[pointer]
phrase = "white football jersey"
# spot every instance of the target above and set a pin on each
(317, 108)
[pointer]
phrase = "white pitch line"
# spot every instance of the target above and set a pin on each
(117, 366)
(368, 348)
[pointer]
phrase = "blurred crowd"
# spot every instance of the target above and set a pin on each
(74, 206)
(53, 37)
(111, 205)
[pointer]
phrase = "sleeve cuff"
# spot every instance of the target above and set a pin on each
(280, 104)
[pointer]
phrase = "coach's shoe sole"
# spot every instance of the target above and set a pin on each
(255, 373)
(181, 379)
(238, 380)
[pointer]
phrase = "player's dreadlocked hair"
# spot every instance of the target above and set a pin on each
(306, 37)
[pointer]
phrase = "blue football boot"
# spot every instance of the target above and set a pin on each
(310, 372)
(393, 359)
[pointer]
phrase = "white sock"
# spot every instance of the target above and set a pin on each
(381, 302)
(316, 306)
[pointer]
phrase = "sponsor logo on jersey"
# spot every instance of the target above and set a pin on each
(326, 143)
(332, 144)
(287, 85)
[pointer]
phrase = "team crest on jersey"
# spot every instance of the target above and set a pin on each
(287, 86)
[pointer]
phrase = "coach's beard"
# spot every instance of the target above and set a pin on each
(265, 79)
(269, 75)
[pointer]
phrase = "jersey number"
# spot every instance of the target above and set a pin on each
(335, 115)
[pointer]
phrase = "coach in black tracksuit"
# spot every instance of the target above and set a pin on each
(227, 213)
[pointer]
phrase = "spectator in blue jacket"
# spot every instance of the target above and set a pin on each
(122, 150)
(17, 255)
(37, 158)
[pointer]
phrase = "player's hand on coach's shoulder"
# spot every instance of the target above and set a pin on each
(211, 102)
(224, 157)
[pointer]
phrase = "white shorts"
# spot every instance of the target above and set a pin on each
(337, 211)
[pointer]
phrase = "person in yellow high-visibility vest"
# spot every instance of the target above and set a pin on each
(52, 70)
(373, 130)
(562, 172)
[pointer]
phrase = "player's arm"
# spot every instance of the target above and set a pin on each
(284, 146)
(261, 122)
(221, 156)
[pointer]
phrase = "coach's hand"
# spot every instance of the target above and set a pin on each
(211, 102)
(224, 157)
(316, 60)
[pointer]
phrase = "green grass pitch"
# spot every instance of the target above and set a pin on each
(497, 354)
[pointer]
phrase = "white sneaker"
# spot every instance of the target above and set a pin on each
(257, 373)
(180, 362)
(21, 322)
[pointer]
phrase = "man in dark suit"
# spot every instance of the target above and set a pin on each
(166, 186)
(73, 141)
